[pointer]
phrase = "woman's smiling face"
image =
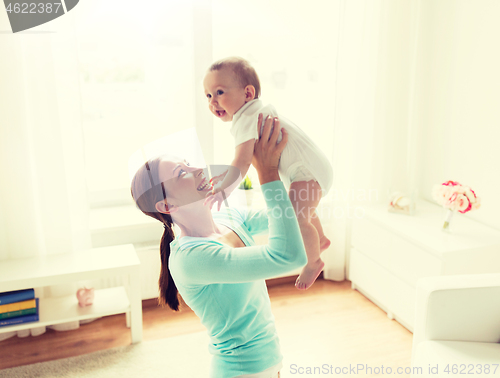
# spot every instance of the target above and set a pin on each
(183, 184)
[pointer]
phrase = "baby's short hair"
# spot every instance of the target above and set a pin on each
(245, 73)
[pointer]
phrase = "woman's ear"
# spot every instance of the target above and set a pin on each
(165, 208)
(249, 93)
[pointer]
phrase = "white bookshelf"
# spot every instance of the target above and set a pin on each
(19, 274)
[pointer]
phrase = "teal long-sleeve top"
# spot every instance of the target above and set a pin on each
(226, 287)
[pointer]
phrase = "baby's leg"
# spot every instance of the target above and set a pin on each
(324, 242)
(305, 196)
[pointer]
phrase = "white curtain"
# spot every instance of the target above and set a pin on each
(373, 145)
(43, 201)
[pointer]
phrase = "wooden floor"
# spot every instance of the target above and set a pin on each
(348, 312)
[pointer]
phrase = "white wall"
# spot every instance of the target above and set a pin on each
(418, 99)
(459, 99)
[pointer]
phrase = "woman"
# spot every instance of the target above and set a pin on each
(214, 263)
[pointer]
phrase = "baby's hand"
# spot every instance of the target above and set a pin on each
(215, 196)
(215, 180)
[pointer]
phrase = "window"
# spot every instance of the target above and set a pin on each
(137, 81)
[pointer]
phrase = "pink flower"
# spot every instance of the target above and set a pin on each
(462, 203)
(451, 183)
(476, 205)
(475, 202)
(454, 196)
(470, 194)
(441, 193)
(450, 203)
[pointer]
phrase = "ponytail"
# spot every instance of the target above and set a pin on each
(168, 290)
(146, 194)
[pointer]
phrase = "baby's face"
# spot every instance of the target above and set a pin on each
(224, 93)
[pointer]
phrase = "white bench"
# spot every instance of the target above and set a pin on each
(18, 274)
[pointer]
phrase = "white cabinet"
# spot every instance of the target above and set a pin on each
(390, 252)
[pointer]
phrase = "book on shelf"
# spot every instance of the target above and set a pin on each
(21, 319)
(16, 296)
(16, 306)
(13, 314)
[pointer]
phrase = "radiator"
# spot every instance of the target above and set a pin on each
(150, 272)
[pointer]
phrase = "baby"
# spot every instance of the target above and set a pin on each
(232, 88)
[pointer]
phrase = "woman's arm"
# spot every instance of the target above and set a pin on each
(214, 263)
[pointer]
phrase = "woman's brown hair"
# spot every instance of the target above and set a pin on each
(147, 190)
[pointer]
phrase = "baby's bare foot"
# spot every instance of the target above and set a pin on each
(309, 274)
(324, 243)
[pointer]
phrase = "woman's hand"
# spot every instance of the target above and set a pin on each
(267, 152)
